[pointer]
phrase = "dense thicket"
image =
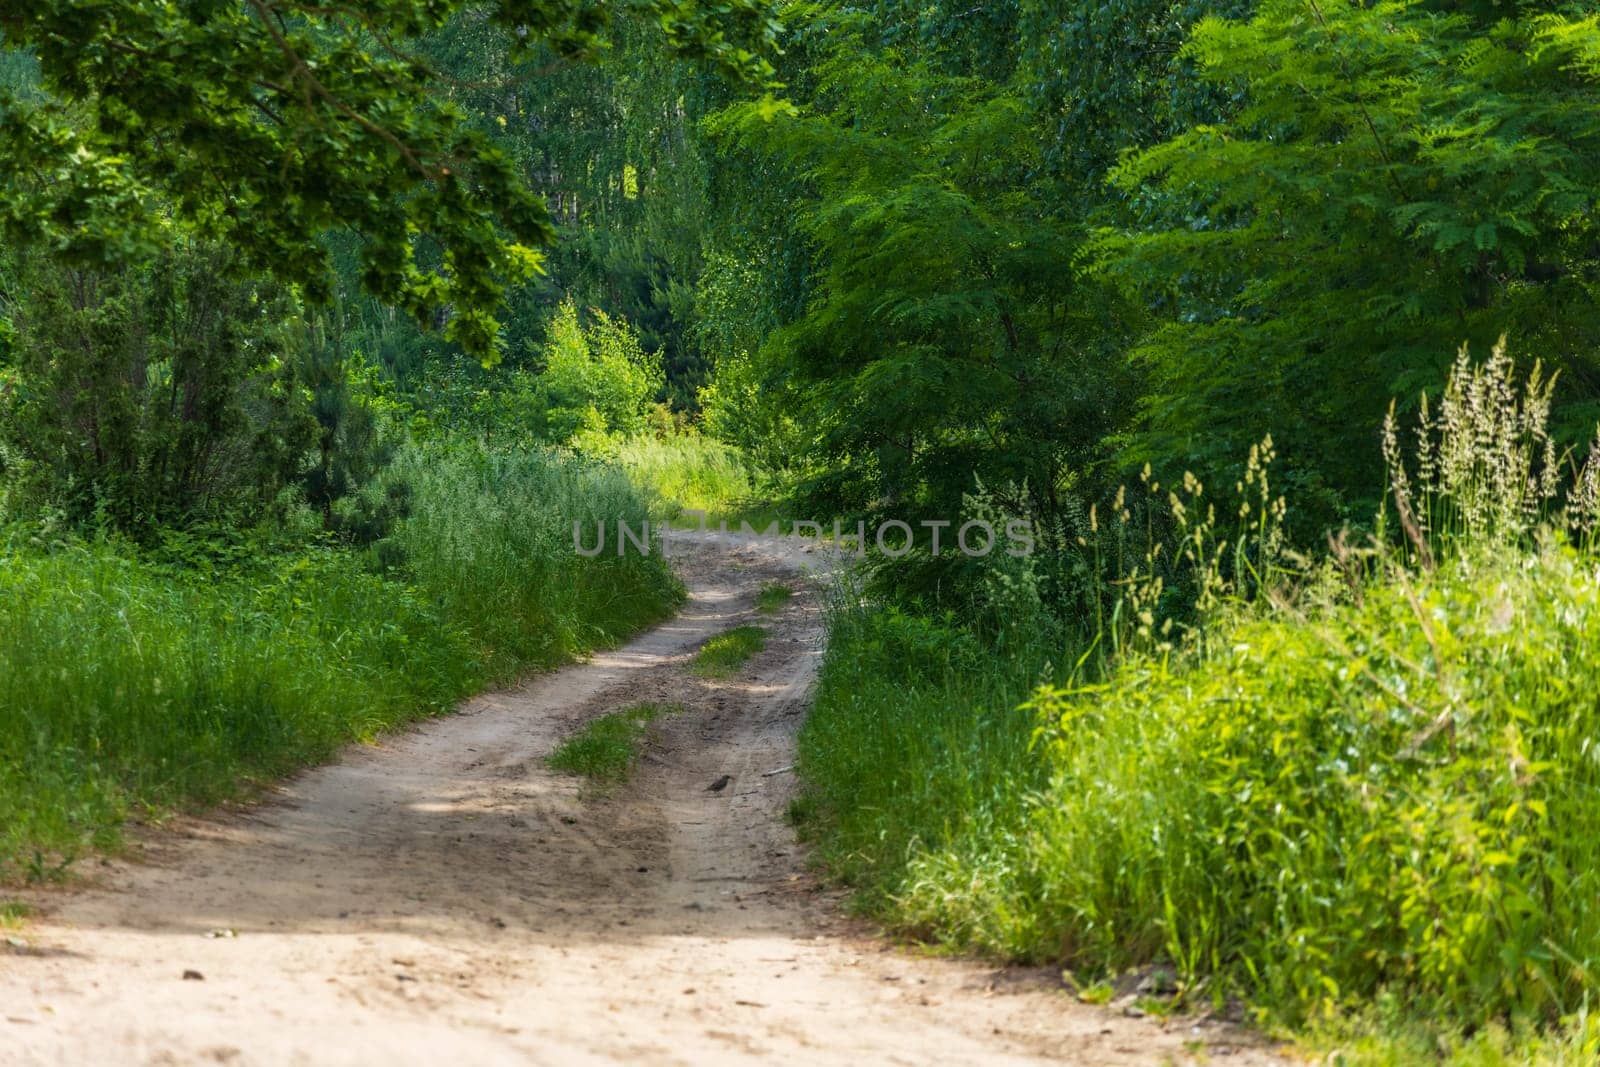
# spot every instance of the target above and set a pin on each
(1051, 240)
(149, 395)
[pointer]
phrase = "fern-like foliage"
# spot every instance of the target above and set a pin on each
(1398, 173)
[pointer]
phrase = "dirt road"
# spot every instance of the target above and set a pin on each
(442, 897)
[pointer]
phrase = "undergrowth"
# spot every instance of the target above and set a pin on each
(140, 680)
(685, 471)
(1360, 792)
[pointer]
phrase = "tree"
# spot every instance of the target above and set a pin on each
(1107, 76)
(1403, 177)
(268, 123)
(353, 444)
(596, 379)
(945, 335)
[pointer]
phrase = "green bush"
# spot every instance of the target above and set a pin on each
(135, 397)
(1369, 801)
(1390, 799)
(1397, 793)
(597, 378)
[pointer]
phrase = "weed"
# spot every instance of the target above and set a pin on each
(773, 596)
(724, 654)
(1098, 993)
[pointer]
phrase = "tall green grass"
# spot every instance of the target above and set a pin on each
(687, 472)
(134, 684)
(490, 542)
(913, 746)
(130, 686)
(1392, 795)
(1367, 801)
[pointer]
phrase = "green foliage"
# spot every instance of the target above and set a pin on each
(1364, 802)
(749, 401)
(270, 122)
(598, 382)
(686, 471)
(750, 406)
(147, 396)
(455, 396)
(140, 680)
(490, 538)
(724, 654)
(352, 444)
(945, 333)
(606, 749)
(1398, 172)
(1103, 77)
(914, 745)
(1393, 793)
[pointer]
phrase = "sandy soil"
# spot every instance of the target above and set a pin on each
(442, 897)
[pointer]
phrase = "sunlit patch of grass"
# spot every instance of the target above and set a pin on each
(12, 912)
(725, 653)
(606, 749)
(1381, 1036)
(686, 471)
(773, 596)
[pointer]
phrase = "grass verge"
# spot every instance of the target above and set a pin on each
(1366, 801)
(1377, 822)
(914, 746)
(136, 684)
(724, 654)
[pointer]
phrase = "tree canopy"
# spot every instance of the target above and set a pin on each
(269, 123)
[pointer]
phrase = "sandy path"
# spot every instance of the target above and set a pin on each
(443, 898)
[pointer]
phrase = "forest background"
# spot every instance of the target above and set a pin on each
(320, 325)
